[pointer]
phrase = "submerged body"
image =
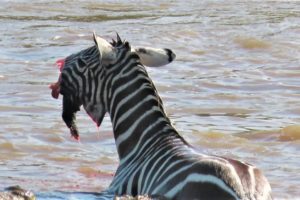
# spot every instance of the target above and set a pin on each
(154, 159)
(16, 193)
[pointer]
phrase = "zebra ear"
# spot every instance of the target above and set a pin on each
(154, 57)
(106, 50)
(95, 38)
(96, 43)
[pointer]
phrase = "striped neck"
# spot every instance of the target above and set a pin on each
(135, 108)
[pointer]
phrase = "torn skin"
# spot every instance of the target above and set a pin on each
(69, 116)
(55, 87)
(60, 64)
(69, 108)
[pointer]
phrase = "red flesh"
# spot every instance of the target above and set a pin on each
(55, 87)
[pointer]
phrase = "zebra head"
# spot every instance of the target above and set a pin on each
(83, 76)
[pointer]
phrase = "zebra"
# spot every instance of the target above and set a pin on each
(155, 159)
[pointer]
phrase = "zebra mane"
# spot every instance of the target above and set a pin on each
(117, 43)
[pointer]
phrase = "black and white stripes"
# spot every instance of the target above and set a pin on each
(154, 159)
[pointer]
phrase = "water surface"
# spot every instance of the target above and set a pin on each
(234, 89)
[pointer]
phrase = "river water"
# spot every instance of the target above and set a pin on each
(234, 89)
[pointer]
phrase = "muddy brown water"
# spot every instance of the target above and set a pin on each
(234, 89)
